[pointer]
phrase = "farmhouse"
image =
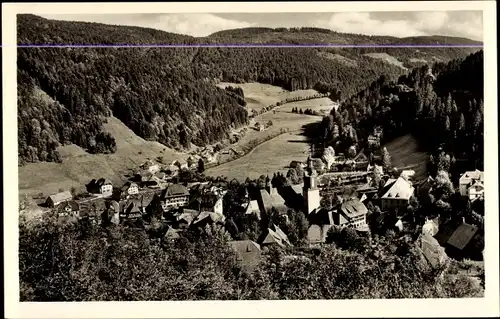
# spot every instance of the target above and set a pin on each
(56, 199)
(259, 127)
(130, 188)
(171, 234)
(69, 208)
(249, 253)
(133, 210)
(468, 179)
(101, 186)
(397, 193)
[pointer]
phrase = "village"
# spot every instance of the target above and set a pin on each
(377, 201)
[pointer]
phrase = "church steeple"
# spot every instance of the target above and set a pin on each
(310, 191)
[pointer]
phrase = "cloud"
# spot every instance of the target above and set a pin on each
(399, 24)
(468, 24)
(195, 24)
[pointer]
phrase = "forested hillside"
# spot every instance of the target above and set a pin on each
(169, 94)
(441, 105)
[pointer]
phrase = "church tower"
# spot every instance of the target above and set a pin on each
(269, 186)
(310, 190)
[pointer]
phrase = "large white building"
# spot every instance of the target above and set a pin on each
(398, 193)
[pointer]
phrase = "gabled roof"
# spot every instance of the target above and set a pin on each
(72, 204)
(353, 207)
(280, 233)
(252, 207)
(477, 174)
(188, 215)
(127, 186)
(477, 184)
(245, 246)
(175, 190)
(59, 197)
(361, 156)
(462, 236)
(272, 238)
(133, 207)
(401, 188)
(172, 233)
(214, 217)
(103, 181)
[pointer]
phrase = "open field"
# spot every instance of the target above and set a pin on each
(322, 105)
(258, 95)
(273, 155)
(269, 157)
(79, 167)
(387, 58)
(405, 152)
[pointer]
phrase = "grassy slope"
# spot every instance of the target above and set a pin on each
(405, 152)
(79, 167)
(274, 155)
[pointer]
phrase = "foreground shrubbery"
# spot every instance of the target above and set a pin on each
(83, 262)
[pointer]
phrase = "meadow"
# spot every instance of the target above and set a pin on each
(273, 155)
(79, 167)
(406, 154)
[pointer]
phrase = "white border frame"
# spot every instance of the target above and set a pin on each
(487, 306)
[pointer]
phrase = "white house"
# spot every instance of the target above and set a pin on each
(398, 193)
(468, 179)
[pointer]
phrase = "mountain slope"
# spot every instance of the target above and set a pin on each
(169, 95)
(441, 105)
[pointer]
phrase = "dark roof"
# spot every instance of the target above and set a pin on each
(59, 197)
(127, 186)
(175, 190)
(462, 236)
(74, 205)
(353, 207)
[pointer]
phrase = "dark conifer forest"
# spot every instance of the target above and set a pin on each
(441, 105)
(169, 94)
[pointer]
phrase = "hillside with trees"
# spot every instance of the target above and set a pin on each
(169, 94)
(85, 262)
(441, 105)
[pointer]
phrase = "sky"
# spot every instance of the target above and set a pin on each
(467, 24)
